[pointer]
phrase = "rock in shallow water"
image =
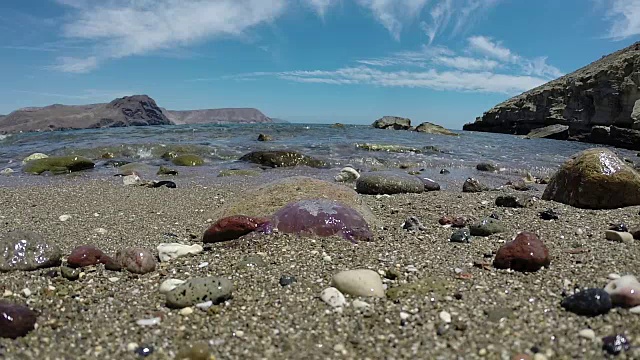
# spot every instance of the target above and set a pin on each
(388, 182)
(136, 260)
(26, 250)
(215, 289)
(15, 320)
(232, 227)
(282, 158)
(359, 282)
(526, 253)
(589, 302)
(322, 217)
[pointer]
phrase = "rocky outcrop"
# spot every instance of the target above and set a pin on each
(557, 131)
(217, 116)
(603, 93)
(127, 111)
(430, 128)
(392, 123)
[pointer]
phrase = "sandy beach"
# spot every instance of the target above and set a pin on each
(495, 314)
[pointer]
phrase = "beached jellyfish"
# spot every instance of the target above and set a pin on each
(322, 217)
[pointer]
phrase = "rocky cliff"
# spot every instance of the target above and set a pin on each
(596, 102)
(217, 116)
(134, 110)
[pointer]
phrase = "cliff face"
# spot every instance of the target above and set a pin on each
(134, 110)
(217, 116)
(596, 102)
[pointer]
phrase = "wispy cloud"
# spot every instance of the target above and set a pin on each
(75, 65)
(624, 16)
(454, 16)
(321, 6)
(488, 47)
(158, 25)
(393, 14)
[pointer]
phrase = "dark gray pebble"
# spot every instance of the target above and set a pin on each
(589, 302)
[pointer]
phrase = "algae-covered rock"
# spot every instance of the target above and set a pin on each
(58, 165)
(238, 172)
(430, 128)
(282, 158)
(188, 160)
(265, 200)
(595, 179)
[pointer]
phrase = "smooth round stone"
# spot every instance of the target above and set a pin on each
(85, 255)
(461, 236)
(15, 320)
(486, 227)
(26, 250)
(137, 260)
(169, 285)
(215, 289)
(618, 236)
(359, 282)
(486, 167)
(333, 297)
(429, 184)
(589, 302)
(170, 251)
(526, 253)
(587, 334)
(388, 182)
(69, 273)
(624, 291)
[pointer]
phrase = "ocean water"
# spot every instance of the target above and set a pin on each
(222, 145)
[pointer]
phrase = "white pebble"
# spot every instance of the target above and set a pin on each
(26, 292)
(359, 304)
(587, 334)
(169, 285)
(64, 217)
(101, 231)
(114, 279)
(613, 276)
(338, 348)
(239, 333)
(205, 305)
(404, 315)
(186, 311)
(333, 297)
(204, 264)
(539, 356)
(635, 310)
(7, 293)
(148, 322)
(359, 282)
(326, 258)
(169, 251)
(132, 346)
(445, 317)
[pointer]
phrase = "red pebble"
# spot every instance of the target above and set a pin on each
(526, 253)
(453, 221)
(232, 227)
(86, 255)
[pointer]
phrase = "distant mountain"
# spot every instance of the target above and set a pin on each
(134, 110)
(217, 116)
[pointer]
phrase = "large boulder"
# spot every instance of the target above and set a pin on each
(265, 200)
(392, 123)
(557, 131)
(595, 179)
(430, 128)
(282, 158)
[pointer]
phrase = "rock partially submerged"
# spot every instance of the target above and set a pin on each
(557, 131)
(58, 165)
(392, 123)
(282, 158)
(595, 179)
(431, 128)
(322, 217)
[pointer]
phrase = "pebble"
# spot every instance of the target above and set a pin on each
(445, 317)
(624, 291)
(26, 292)
(196, 351)
(86, 255)
(114, 279)
(618, 236)
(148, 322)
(136, 260)
(461, 236)
(486, 227)
(231, 228)
(615, 344)
(347, 174)
(132, 346)
(404, 315)
(144, 351)
(549, 214)
(589, 302)
(333, 297)
(169, 285)
(170, 251)
(513, 201)
(587, 334)
(472, 185)
(359, 304)
(15, 320)
(186, 311)
(413, 224)
(359, 282)
(526, 253)
(198, 290)
(64, 217)
(456, 222)
(26, 251)
(286, 280)
(205, 305)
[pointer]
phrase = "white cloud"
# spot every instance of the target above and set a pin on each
(75, 65)
(321, 6)
(440, 16)
(487, 46)
(393, 14)
(625, 18)
(539, 67)
(87, 94)
(466, 63)
(454, 16)
(121, 28)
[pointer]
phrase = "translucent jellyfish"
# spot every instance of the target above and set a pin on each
(322, 218)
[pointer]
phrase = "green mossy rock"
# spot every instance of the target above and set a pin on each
(188, 160)
(282, 158)
(430, 128)
(595, 179)
(58, 165)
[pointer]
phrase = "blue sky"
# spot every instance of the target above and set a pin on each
(350, 61)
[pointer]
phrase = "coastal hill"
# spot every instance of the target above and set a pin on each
(217, 116)
(136, 110)
(594, 103)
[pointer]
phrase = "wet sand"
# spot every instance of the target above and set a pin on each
(95, 316)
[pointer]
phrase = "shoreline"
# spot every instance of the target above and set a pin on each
(95, 316)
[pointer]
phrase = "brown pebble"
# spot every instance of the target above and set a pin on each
(15, 320)
(526, 253)
(85, 255)
(231, 228)
(137, 260)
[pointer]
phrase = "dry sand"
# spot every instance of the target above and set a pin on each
(94, 317)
